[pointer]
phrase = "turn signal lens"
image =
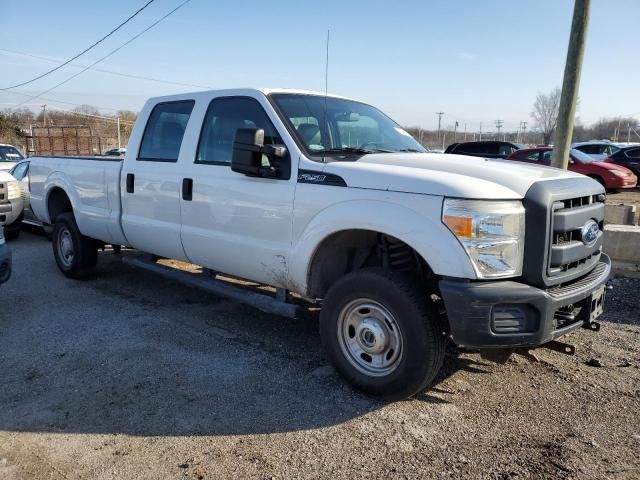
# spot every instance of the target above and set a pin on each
(461, 226)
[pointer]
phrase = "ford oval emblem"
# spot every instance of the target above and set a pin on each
(590, 232)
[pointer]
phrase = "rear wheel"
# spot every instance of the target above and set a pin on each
(75, 254)
(382, 333)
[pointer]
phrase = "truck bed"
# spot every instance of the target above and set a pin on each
(93, 186)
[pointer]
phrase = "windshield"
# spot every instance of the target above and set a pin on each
(333, 126)
(9, 154)
(581, 156)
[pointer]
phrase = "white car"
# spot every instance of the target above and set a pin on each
(597, 149)
(11, 205)
(328, 197)
(9, 156)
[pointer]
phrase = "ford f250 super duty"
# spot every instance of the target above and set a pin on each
(328, 197)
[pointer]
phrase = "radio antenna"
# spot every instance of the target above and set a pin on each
(326, 92)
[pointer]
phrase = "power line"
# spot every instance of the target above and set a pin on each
(108, 54)
(16, 105)
(111, 72)
(82, 52)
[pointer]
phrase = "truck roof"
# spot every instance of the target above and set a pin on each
(241, 91)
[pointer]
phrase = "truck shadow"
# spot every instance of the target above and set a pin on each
(132, 354)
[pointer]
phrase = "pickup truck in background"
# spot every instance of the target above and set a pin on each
(11, 205)
(328, 197)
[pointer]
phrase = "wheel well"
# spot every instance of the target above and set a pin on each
(349, 250)
(58, 203)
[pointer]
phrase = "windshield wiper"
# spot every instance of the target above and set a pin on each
(364, 151)
(412, 150)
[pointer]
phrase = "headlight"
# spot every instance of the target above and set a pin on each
(492, 233)
(13, 190)
(618, 173)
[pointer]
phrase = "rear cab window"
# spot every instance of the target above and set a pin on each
(164, 131)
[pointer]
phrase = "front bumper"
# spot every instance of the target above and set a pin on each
(5, 263)
(10, 211)
(511, 314)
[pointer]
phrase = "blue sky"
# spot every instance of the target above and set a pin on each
(475, 60)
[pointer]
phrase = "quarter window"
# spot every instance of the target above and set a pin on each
(224, 117)
(164, 131)
(633, 153)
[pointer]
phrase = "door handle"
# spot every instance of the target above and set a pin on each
(131, 178)
(187, 189)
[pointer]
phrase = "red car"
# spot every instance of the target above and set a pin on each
(610, 175)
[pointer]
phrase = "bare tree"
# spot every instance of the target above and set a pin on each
(545, 113)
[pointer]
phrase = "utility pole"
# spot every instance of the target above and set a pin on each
(628, 132)
(44, 115)
(455, 131)
(439, 121)
(570, 84)
(465, 132)
(480, 132)
(118, 132)
(498, 127)
(524, 132)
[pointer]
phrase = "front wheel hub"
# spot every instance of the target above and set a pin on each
(370, 337)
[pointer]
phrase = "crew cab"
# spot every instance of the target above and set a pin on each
(328, 197)
(610, 175)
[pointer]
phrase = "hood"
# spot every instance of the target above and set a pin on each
(5, 176)
(6, 166)
(611, 166)
(444, 174)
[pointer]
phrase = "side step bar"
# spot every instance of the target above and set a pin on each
(205, 282)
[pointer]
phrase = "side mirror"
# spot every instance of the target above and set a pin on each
(249, 151)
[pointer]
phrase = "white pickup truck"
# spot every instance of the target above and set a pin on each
(328, 197)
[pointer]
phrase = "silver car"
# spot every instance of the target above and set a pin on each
(21, 173)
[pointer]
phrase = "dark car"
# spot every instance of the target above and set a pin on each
(627, 157)
(488, 149)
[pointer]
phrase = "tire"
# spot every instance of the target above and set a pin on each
(12, 232)
(75, 254)
(388, 318)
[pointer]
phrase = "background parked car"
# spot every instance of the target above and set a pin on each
(9, 156)
(596, 149)
(628, 157)
(488, 149)
(10, 205)
(21, 173)
(610, 175)
(116, 152)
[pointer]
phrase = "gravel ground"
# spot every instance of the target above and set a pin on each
(131, 376)
(628, 197)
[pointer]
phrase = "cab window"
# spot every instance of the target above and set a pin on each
(224, 117)
(164, 131)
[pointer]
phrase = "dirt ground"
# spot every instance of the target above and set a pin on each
(130, 376)
(628, 197)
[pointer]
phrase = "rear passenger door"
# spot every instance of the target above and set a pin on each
(231, 222)
(151, 182)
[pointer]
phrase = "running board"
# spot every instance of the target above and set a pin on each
(263, 302)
